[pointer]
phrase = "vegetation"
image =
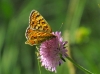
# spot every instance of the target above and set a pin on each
(81, 28)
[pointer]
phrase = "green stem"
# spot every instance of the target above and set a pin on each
(80, 67)
(39, 67)
(37, 47)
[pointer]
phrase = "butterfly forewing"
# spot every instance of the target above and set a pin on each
(37, 22)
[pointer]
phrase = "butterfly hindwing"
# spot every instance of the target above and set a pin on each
(35, 37)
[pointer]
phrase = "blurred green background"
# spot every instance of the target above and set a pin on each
(81, 28)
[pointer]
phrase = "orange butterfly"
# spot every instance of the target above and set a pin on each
(38, 30)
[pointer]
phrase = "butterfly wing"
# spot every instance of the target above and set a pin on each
(38, 30)
(37, 22)
(35, 37)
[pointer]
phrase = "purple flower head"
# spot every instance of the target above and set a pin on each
(52, 52)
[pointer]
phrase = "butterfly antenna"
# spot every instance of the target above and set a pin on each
(60, 27)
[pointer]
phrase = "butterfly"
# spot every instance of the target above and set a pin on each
(38, 30)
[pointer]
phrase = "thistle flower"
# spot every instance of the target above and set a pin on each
(52, 52)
